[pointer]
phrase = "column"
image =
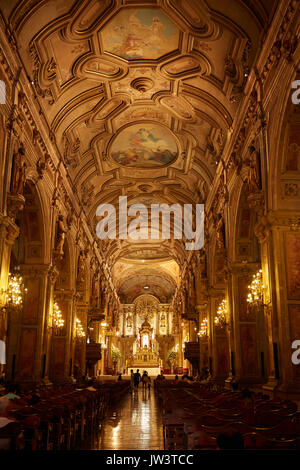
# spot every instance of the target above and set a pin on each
(62, 340)
(204, 340)
(9, 231)
(219, 339)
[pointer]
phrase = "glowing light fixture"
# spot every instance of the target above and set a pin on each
(79, 329)
(220, 318)
(15, 290)
(58, 321)
(256, 290)
(203, 328)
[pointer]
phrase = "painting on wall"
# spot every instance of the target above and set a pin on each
(143, 33)
(293, 265)
(144, 145)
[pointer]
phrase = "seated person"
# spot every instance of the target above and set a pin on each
(90, 386)
(160, 376)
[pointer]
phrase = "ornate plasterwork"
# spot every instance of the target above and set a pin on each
(93, 76)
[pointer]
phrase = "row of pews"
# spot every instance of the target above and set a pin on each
(58, 419)
(196, 416)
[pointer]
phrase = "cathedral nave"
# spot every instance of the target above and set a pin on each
(149, 220)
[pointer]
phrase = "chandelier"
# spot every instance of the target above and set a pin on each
(203, 332)
(256, 290)
(79, 329)
(15, 290)
(58, 321)
(220, 318)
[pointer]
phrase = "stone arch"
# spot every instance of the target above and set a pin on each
(25, 326)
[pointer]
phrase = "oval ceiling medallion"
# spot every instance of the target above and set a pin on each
(144, 145)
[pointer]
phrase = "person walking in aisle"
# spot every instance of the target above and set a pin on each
(136, 379)
(131, 380)
(144, 380)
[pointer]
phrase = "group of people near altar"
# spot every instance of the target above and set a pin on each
(136, 378)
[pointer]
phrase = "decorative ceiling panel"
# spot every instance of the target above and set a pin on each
(140, 97)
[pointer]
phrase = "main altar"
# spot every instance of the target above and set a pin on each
(145, 357)
(145, 327)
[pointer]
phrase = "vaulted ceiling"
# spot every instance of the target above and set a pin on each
(140, 98)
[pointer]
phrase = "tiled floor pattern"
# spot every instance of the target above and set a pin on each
(134, 423)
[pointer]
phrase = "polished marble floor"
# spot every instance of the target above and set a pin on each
(134, 423)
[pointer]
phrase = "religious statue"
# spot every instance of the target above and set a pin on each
(61, 231)
(163, 321)
(203, 263)
(129, 320)
(254, 183)
(18, 175)
(94, 300)
(80, 270)
(221, 234)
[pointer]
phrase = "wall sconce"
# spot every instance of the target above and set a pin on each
(79, 329)
(220, 318)
(203, 332)
(15, 292)
(57, 319)
(256, 291)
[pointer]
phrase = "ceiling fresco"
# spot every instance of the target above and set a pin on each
(143, 33)
(140, 98)
(144, 146)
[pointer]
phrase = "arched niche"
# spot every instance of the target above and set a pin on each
(26, 325)
(29, 247)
